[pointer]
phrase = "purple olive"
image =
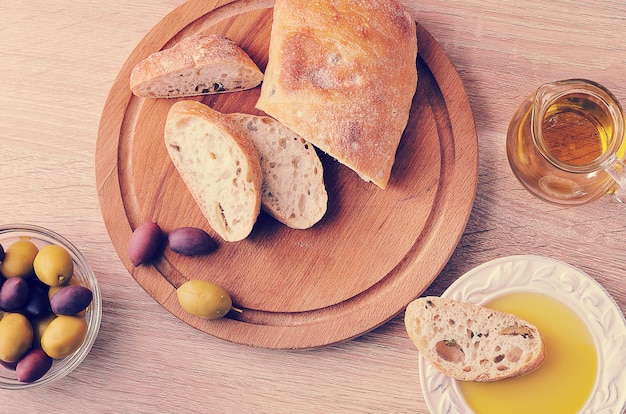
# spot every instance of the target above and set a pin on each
(38, 304)
(70, 300)
(33, 365)
(13, 294)
(9, 365)
(144, 243)
(191, 241)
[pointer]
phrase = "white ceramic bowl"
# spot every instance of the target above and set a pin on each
(93, 314)
(583, 294)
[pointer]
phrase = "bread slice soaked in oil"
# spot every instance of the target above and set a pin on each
(473, 343)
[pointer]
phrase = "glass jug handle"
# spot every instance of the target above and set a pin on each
(617, 171)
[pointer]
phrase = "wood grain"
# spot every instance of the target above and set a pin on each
(373, 250)
(59, 61)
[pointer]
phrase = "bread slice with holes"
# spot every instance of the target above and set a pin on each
(218, 164)
(473, 343)
(197, 65)
(293, 189)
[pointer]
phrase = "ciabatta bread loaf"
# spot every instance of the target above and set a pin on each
(342, 74)
(473, 343)
(197, 65)
(219, 166)
(293, 188)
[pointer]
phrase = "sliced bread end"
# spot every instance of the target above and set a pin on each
(473, 343)
(197, 65)
(219, 166)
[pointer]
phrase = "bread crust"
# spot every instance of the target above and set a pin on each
(219, 166)
(342, 74)
(473, 343)
(197, 65)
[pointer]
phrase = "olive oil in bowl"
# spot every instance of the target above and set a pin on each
(564, 382)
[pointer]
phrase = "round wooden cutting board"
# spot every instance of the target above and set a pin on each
(373, 252)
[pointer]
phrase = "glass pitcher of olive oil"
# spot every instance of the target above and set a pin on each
(566, 143)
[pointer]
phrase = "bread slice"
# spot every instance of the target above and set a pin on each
(197, 65)
(219, 166)
(293, 188)
(342, 75)
(473, 343)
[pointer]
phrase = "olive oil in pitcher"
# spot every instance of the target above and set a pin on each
(566, 141)
(576, 130)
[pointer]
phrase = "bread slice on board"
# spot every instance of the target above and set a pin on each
(342, 74)
(473, 343)
(219, 166)
(293, 188)
(197, 65)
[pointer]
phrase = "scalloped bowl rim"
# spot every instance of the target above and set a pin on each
(561, 281)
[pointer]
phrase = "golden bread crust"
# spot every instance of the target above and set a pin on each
(342, 74)
(197, 65)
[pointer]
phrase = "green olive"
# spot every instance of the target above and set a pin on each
(16, 336)
(18, 259)
(204, 299)
(39, 327)
(53, 265)
(63, 336)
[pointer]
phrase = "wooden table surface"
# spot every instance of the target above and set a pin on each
(58, 60)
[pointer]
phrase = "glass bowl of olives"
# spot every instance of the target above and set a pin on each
(50, 306)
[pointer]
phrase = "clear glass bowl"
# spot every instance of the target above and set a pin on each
(93, 314)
